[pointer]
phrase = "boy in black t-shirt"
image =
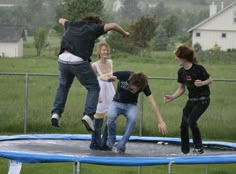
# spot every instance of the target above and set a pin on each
(125, 102)
(196, 79)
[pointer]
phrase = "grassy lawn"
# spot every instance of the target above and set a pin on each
(42, 91)
(67, 168)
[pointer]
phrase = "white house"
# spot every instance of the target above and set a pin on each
(11, 41)
(217, 30)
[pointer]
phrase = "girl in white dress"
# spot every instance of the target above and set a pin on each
(102, 68)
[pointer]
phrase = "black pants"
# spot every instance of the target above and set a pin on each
(191, 113)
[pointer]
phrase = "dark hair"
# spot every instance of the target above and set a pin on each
(92, 17)
(139, 80)
(187, 53)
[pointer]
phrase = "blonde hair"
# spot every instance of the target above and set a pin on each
(99, 47)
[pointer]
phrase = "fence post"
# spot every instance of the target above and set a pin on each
(26, 103)
(141, 117)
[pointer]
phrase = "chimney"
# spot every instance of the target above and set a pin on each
(222, 5)
(213, 9)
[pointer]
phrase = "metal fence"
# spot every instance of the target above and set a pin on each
(33, 95)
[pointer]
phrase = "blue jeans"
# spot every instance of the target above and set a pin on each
(97, 142)
(130, 111)
(86, 76)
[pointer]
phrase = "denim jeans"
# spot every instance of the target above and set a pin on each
(97, 141)
(86, 76)
(130, 111)
(191, 113)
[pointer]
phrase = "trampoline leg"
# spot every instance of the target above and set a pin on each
(169, 167)
(14, 167)
(76, 167)
(139, 169)
(206, 171)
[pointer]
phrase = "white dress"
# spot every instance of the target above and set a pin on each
(107, 92)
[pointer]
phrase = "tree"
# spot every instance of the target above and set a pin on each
(143, 31)
(75, 9)
(40, 35)
(161, 39)
(117, 43)
(171, 25)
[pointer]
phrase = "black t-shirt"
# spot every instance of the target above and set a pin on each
(123, 95)
(187, 77)
(79, 38)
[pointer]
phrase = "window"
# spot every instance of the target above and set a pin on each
(234, 16)
(198, 34)
(223, 35)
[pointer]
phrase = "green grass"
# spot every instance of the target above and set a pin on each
(63, 168)
(216, 124)
(42, 91)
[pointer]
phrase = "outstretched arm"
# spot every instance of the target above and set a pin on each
(161, 124)
(178, 92)
(108, 77)
(116, 27)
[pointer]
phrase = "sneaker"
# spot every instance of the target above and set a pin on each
(116, 150)
(88, 122)
(198, 151)
(185, 151)
(55, 119)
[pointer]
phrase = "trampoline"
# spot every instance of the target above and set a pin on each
(141, 151)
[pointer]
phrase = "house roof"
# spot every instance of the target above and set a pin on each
(11, 33)
(212, 17)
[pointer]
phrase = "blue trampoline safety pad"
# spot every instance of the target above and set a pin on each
(141, 151)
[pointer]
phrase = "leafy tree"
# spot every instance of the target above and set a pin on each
(75, 9)
(194, 17)
(118, 43)
(40, 36)
(143, 31)
(171, 25)
(161, 39)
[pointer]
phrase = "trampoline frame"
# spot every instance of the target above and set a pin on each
(117, 161)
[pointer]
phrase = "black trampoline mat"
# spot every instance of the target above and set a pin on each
(81, 148)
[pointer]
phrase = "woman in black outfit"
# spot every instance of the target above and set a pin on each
(196, 79)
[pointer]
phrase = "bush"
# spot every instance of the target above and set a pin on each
(197, 47)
